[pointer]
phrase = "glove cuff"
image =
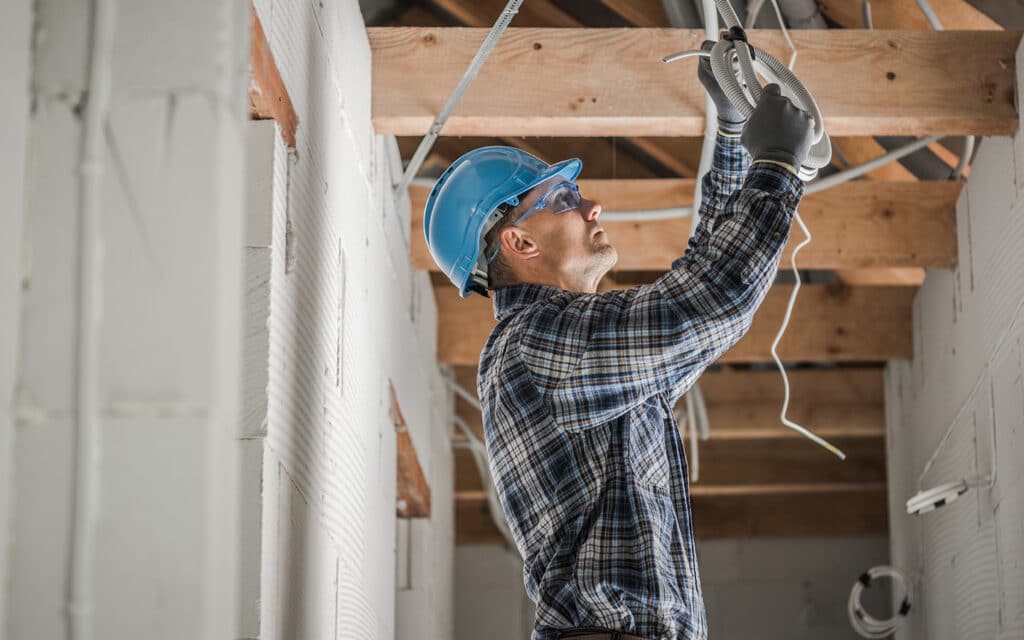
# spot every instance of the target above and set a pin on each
(730, 128)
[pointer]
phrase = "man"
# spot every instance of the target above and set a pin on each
(577, 387)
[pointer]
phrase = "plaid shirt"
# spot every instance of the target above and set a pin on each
(577, 391)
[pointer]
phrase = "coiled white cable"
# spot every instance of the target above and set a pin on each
(734, 49)
(866, 625)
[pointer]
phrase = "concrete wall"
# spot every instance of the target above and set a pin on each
(784, 589)
(167, 387)
(15, 68)
(257, 305)
(337, 314)
(966, 559)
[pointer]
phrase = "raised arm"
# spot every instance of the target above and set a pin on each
(594, 356)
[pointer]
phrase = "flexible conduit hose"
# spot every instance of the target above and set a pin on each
(735, 48)
(88, 447)
(482, 53)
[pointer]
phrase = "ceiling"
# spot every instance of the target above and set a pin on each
(874, 237)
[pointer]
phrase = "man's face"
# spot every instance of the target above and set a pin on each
(570, 243)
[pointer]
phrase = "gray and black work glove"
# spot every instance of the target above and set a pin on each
(730, 122)
(778, 131)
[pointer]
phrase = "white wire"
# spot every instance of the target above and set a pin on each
(785, 34)
(792, 298)
(775, 355)
(866, 625)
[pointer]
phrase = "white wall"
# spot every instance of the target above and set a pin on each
(15, 50)
(966, 559)
(347, 315)
(171, 214)
(784, 589)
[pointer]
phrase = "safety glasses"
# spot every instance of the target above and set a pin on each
(564, 196)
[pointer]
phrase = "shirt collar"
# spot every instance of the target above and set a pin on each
(509, 300)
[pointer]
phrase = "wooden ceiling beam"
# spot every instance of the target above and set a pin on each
(483, 13)
(844, 510)
(829, 323)
(562, 82)
(857, 225)
(905, 14)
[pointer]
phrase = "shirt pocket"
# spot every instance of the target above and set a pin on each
(646, 443)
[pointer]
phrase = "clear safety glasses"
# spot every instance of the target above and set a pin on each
(564, 196)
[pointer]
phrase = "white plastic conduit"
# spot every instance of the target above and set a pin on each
(87, 451)
(486, 47)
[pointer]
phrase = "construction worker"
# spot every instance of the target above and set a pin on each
(577, 387)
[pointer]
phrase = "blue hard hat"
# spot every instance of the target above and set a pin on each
(464, 205)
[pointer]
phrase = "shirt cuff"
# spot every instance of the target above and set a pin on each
(775, 180)
(730, 157)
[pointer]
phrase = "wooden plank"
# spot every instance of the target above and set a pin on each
(860, 150)
(905, 276)
(483, 13)
(681, 155)
(866, 82)
(855, 225)
(268, 97)
(860, 509)
(905, 14)
(641, 13)
(829, 323)
(413, 491)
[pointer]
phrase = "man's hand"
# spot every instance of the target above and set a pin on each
(730, 122)
(778, 131)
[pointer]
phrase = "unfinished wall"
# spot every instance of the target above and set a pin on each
(170, 215)
(336, 314)
(15, 49)
(785, 589)
(966, 559)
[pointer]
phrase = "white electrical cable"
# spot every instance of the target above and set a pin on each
(866, 625)
(482, 53)
(745, 96)
(479, 451)
(968, 150)
(691, 420)
(929, 14)
(88, 446)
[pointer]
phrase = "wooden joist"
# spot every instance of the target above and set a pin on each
(829, 323)
(413, 491)
(855, 225)
(905, 14)
(599, 82)
(845, 509)
(268, 97)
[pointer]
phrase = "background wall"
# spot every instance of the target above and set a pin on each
(785, 589)
(170, 220)
(258, 306)
(966, 559)
(337, 315)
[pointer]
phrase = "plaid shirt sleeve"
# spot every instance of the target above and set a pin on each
(594, 356)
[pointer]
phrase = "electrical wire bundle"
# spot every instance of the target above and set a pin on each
(866, 625)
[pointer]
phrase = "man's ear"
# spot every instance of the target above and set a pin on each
(518, 243)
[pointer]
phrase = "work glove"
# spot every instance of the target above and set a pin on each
(778, 131)
(730, 122)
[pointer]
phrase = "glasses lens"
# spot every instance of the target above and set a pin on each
(564, 198)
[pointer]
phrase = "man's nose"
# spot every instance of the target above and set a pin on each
(590, 209)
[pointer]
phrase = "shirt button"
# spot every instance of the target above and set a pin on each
(776, 235)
